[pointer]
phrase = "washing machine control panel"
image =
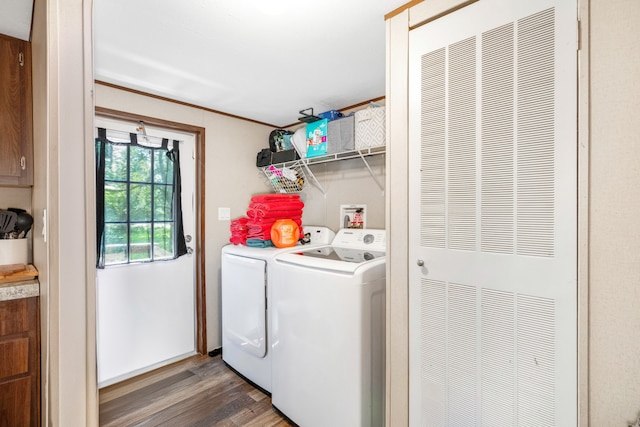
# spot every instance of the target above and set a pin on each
(369, 239)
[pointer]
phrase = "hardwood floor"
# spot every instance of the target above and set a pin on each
(198, 392)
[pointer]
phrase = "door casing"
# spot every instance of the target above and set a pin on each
(199, 238)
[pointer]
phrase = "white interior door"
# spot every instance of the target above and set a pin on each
(146, 310)
(493, 261)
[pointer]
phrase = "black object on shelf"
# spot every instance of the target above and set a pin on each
(284, 156)
(266, 157)
(263, 158)
(308, 118)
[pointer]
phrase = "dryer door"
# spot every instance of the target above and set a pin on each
(244, 304)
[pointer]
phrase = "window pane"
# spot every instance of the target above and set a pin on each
(115, 202)
(163, 241)
(115, 237)
(115, 162)
(140, 164)
(163, 168)
(139, 217)
(140, 202)
(162, 206)
(140, 242)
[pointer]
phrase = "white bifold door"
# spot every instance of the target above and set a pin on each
(493, 214)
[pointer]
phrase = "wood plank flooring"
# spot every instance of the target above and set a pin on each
(198, 392)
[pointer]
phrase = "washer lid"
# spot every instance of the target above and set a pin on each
(345, 260)
(343, 254)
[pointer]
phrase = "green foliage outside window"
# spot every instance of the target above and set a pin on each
(139, 214)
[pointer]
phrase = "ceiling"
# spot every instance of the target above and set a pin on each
(263, 60)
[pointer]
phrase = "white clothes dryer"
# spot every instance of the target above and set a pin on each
(245, 301)
(328, 330)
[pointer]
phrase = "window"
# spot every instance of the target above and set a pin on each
(137, 187)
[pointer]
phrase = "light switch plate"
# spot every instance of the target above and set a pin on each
(44, 225)
(224, 214)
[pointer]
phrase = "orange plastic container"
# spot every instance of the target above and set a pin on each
(285, 233)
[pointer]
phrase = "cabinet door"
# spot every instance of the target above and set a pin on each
(15, 403)
(15, 112)
(20, 362)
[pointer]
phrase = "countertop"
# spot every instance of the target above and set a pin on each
(23, 285)
(15, 290)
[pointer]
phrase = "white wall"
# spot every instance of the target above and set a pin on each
(614, 213)
(15, 197)
(345, 182)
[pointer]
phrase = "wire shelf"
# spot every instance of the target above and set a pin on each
(300, 165)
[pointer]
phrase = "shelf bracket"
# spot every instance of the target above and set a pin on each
(315, 180)
(380, 186)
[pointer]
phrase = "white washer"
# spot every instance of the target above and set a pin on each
(328, 332)
(245, 288)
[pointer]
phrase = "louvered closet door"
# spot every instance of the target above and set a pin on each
(493, 256)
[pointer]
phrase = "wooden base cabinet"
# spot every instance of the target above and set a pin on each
(20, 362)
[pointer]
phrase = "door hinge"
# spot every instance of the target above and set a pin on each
(21, 59)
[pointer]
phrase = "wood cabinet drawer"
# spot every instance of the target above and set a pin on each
(15, 357)
(14, 317)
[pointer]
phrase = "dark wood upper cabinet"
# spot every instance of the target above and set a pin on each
(16, 125)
